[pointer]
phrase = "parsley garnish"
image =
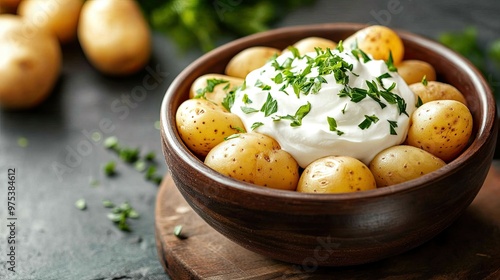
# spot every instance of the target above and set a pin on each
(419, 102)
(120, 214)
(333, 125)
(390, 63)
(232, 136)
(340, 46)
(110, 168)
(368, 121)
(299, 115)
(256, 125)
(248, 110)
(211, 84)
(424, 80)
(246, 99)
(228, 100)
(392, 126)
(270, 106)
(81, 204)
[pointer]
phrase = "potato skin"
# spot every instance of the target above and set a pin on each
(58, 16)
(114, 36)
(220, 91)
(30, 63)
(378, 41)
(435, 90)
(402, 163)
(255, 158)
(413, 71)
(336, 174)
(309, 44)
(248, 60)
(442, 128)
(202, 125)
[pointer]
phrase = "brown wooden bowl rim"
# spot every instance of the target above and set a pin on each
(487, 103)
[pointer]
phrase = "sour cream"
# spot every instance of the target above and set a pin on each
(313, 112)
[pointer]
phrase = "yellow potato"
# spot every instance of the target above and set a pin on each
(57, 16)
(413, 71)
(257, 159)
(248, 60)
(114, 36)
(402, 163)
(336, 174)
(214, 87)
(202, 125)
(310, 44)
(378, 41)
(30, 63)
(442, 128)
(437, 91)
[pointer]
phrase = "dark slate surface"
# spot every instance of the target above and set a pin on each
(54, 240)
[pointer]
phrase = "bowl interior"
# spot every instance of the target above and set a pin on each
(450, 67)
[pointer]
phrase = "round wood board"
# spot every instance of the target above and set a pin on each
(468, 249)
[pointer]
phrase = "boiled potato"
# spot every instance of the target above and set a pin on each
(310, 44)
(203, 124)
(413, 71)
(378, 41)
(114, 36)
(402, 163)
(442, 128)
(248, 60)
(257, 159)
(30, 63)
(214, 87)
(435, 90)
(336, 174)
(58, 16)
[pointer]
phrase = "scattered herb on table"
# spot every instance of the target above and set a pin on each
(110, 168)
(22, 142)
(81, 204)
(178, 232)
(120, 215)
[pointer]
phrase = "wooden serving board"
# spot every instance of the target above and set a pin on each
(468, 249)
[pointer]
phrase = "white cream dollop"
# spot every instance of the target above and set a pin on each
(315, 137)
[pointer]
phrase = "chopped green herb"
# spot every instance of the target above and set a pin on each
(368, 121)
(81, 204)
(120, 214)
(22, 142)
(248, 110)
(424, 80)
(211, 84)
(178, 232)
(344, 109)
(228, 100)
(108, 204)
(340, 46)
(333, 125)
(419, 102)
(256, 125)
(129, 155)
(392, 126)
(299, 115)
(278, 79)
(390, 63)
(270, 106)
(295, 51)
(140, 165)
(150, 156)
(246, 99)
(111, 143)
(157, 125)
(232, 136)
(110, 168)
(239, 129)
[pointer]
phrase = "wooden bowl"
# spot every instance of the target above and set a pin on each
(334, 229)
